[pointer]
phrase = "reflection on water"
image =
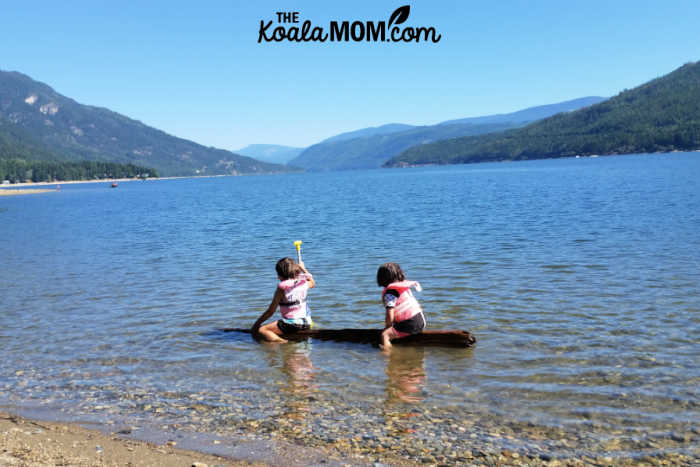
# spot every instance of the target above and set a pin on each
(298, 387)
(297, 365)
(405, 371)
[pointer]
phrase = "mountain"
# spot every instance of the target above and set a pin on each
(37, 123)
(15, 142)
(532, 113)
(370, 131)
(373, 150)
(659, 116)
(272, 153)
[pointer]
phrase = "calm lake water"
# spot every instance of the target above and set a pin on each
(580, 279)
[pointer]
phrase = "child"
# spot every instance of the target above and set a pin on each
(404, 315)
(290, 296)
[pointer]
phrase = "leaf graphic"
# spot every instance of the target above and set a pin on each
(400, 15)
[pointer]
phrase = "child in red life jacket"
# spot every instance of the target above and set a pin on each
(404, 315)
(290, 296)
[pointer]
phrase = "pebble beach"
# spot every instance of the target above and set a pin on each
(26, 442)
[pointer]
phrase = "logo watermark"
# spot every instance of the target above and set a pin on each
(289, 29)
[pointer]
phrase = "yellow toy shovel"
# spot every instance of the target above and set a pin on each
(297, 244)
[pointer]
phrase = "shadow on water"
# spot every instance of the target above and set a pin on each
(227, 336)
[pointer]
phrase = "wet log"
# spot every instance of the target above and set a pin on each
(445, 338)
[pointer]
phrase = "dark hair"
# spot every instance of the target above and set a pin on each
(287, 268)
(388, 273)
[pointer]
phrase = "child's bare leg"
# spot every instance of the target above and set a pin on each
(272, 333)
(387, 335)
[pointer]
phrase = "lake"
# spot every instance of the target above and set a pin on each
(580, 279)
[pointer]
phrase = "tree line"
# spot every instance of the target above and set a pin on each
(21, 171)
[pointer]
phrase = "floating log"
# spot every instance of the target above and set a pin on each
(445, 338)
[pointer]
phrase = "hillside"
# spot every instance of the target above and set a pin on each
(372, 151)
(37, 123)
(659, 116)
(531, 114)
(369, 131)
(273, 153)
(15, 142)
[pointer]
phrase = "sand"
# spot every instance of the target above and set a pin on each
(6, 192)
(25, 442)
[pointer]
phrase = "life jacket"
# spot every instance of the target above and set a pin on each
(293, 305)
(406, 306)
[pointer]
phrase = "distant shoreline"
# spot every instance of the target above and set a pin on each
(22, 188)
(6, 192)
(17, 188)
(102, 180)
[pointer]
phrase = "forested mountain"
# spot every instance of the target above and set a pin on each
(37, 123)
(372, 151)
(22, 159)
(661, 115)
(273, 153)
(18, 142)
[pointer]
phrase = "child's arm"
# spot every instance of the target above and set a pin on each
(269, 312)
(389, 300)
(389, 319)
(312, 282)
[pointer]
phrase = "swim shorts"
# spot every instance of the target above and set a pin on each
(413, 325)
(291, 328)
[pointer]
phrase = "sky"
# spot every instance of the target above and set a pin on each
(195, 69)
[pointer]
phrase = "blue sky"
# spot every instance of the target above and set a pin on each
(196, 70)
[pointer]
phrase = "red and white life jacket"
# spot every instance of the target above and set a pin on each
(293, 305)
(406, 305)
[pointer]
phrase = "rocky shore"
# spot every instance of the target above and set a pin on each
(25, 442)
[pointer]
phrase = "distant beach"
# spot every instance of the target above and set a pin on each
(70, 182)
(9, 192)
(20, 188)
(14, 189)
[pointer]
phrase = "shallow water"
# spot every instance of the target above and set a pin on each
(579, 277)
